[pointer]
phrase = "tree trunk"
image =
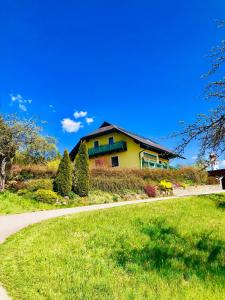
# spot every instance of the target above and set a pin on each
(2, 174)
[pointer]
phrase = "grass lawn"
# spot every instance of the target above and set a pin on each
(11, 203)
(163, 250)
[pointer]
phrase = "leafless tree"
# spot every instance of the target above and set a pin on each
(209, 129)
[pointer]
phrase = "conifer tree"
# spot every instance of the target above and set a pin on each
(81, 172)
(63, 180)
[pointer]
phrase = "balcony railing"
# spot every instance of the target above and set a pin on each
(103, 149)
(154, 165)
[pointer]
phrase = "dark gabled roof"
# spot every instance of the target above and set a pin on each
(145, 143)
(217, 173)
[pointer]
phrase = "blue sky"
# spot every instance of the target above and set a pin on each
(133, 63)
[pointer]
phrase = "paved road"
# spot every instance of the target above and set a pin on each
(10, 224)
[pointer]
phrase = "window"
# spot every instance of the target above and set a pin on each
(115, 161)
(96, 144)
(111, 140)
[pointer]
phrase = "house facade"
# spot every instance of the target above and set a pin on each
(113, 146)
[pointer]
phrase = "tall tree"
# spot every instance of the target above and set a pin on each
(7, 150)
(63, 180)
(20, 135)
(81, 172)
(209, 129)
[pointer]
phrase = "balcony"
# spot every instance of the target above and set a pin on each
(109, 148)
(154, 165)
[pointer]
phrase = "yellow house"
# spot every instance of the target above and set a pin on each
(112, 146)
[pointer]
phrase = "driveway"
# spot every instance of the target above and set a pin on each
(10, 224)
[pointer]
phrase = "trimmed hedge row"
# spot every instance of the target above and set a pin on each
(117, 185)
(186, 174)
(118, 180)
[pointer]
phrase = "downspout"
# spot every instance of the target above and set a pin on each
(140, 158)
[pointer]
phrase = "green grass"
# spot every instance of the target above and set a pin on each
(11, 203)
(163, 250)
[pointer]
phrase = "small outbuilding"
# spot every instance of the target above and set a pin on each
(220, 174)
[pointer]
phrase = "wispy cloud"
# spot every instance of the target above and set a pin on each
(52, 107)
(79, 114)
(71, 126)
(22, 107)
(89, 120)
(22, 103)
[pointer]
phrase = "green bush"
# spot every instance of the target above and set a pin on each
(46, 196)
(25, 175)
(36, 184)
(98, 197)
(63, 181)
(23, 192)
(81, 172)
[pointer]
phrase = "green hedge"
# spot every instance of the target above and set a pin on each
(117, 185)
(118, 180)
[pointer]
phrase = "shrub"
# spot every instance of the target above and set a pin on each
(97, 197)
(117, 185)
(32, 171)
(165, 185)
(150, 190)
(184, 185)
(36, 184)
(192, 175)
(22, 192)
(25, 175)
(15, 185)
(221, 203)
(53, 165)
(73, 197)
(63, 181)
(212, 180)
(46, 196)
(81, 172)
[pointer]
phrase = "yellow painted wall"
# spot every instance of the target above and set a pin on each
(127, 159)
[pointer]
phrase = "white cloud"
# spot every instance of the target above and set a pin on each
(70, 126)
(89, 120)
(80, 114)
(22, 107)
(15, 98)
(222, 164)
(194, 157)
(22, 103)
